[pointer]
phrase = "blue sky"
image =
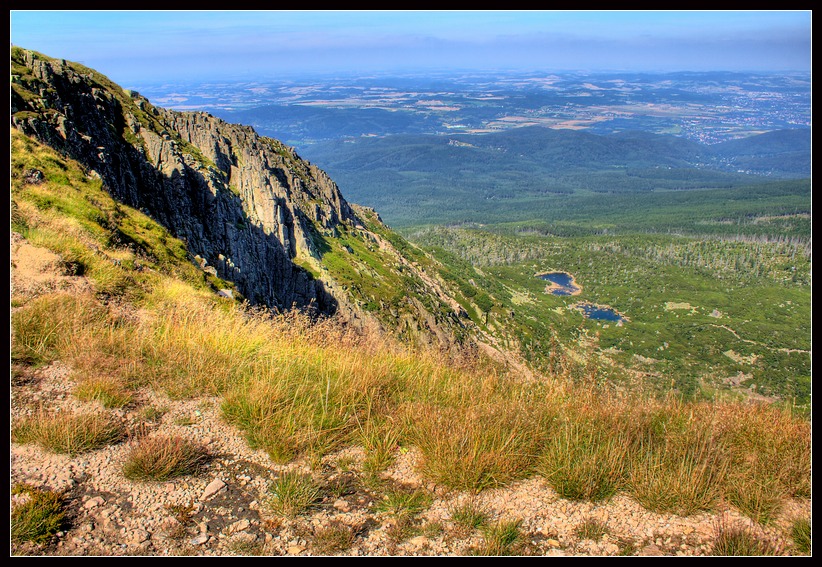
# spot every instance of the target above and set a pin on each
(135, 47)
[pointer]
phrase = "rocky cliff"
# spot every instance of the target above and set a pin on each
(249, 209)
(244, 204)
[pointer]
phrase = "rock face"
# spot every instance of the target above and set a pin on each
(245, 204)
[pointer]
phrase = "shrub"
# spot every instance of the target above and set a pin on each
(39, 516)
(162, 458)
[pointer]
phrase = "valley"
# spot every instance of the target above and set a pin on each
(685, 189)
(703, 315)
(222, 348)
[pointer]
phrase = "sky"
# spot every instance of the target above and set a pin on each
(146, 47)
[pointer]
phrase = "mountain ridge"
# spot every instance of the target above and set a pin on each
(248, 207)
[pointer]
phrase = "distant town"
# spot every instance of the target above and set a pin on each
(704, 107)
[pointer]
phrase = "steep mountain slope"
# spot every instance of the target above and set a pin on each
(248, 208)
(152, 415)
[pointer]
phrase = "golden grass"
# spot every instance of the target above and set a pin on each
(70, 434)
(162, 458)
(306, 389)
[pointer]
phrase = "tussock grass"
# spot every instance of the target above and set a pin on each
(380, 439)
(110, 393)
(503, 537)
(161, 458)
(469, 515)
(735, 540)
(46, 327)
(677, 458)
(680, 475)
(473, 448)
(70, 434)
(801, 535)
(335, 537)
(585, 459)
(400, 501)
(591, 529)
(38, 516)
(292, 494)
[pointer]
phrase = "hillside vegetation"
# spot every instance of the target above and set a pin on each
(566, 177)
(120, 303)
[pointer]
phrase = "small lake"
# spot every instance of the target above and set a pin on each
(599, 312)
(562, 283)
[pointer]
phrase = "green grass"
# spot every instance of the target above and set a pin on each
(585, 461)
(109, 393)
(71, 434)
(482, 446)
(39, 515)
(501, 538)
(292, 494)
(161, 458)
(469, 515)
(801, 535)
(335, 537)
(403, 502)
(740, 541)
(591, 529)
(380, 442)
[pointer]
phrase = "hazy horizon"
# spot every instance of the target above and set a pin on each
(147, 47)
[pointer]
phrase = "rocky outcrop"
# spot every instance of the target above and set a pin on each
(247, 205)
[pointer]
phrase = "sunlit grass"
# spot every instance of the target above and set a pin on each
(162, 458)
(292, 494)
(71, 434)
(302, 388)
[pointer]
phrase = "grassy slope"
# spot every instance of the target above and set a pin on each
(702, 313)
(302, 391)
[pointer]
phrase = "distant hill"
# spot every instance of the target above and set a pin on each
(513, 174)
(782, 153)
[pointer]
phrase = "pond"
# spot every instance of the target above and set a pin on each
(599, 312)
(561, 283)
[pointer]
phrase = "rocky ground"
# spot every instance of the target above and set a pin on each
(223, 512)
